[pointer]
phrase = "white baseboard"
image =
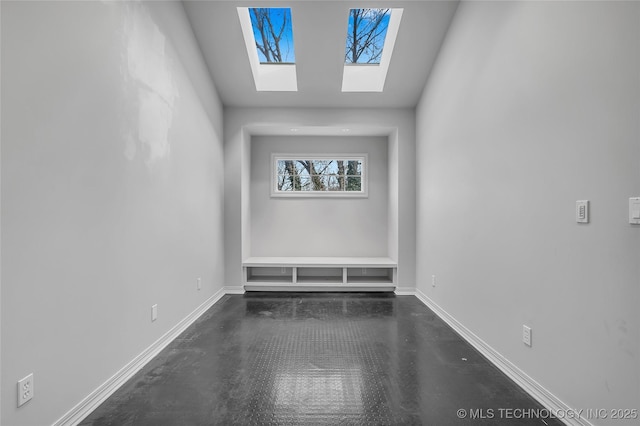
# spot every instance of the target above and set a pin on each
(405, 291)
(236, 289)
(529, 385)
(104, 391)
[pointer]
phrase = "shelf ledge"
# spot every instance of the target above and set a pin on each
(302, 262)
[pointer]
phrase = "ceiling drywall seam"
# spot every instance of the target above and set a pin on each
(437, 56)
(204, 60)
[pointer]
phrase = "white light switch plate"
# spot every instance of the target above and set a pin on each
(634, 210)
(526, 335)
(582, 211)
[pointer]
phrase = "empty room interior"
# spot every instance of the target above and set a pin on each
(168, 163)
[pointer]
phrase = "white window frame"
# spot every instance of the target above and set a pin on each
(364, 185)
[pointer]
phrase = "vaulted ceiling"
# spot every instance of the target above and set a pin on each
(320, 29)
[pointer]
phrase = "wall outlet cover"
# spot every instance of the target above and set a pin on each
(25, 390)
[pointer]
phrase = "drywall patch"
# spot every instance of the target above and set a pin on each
(150, 91)
(154, 121)
(624, 342)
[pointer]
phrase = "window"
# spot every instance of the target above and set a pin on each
(365, 35)
(319, 175)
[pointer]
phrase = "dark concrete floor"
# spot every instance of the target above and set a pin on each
(319, 359)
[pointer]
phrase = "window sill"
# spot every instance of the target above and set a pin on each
(318, 194)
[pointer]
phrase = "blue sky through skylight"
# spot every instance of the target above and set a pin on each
(366, 35)
(273, 33)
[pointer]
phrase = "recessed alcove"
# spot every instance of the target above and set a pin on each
(312, 242)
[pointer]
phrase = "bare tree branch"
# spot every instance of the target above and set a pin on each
(270, 40)
(368, 27)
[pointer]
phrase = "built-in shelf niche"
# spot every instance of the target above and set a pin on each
(373, 275)
(316, 274)
(270, 274)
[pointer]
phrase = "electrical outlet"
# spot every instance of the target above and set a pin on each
(154, 312)
(433, 280)
(25, 390)
(526, 335)
(199, 283)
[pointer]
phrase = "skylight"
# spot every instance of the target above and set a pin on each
(366, 35)
(273, 33)
(268, 37)
(371, 36)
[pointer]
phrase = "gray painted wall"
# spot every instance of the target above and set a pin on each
(532, 106)
(111, 192)
(319, 226)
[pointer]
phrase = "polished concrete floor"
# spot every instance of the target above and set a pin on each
(319, 359)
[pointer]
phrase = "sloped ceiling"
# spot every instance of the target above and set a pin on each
(319, 31)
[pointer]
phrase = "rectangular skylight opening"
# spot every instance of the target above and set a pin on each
(268, 36)
(371, 38)
(366, 35)
(273, 34)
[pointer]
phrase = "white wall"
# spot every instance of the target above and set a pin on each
(532, 106)
(112, 191)
(398, 127)
(319, 226)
